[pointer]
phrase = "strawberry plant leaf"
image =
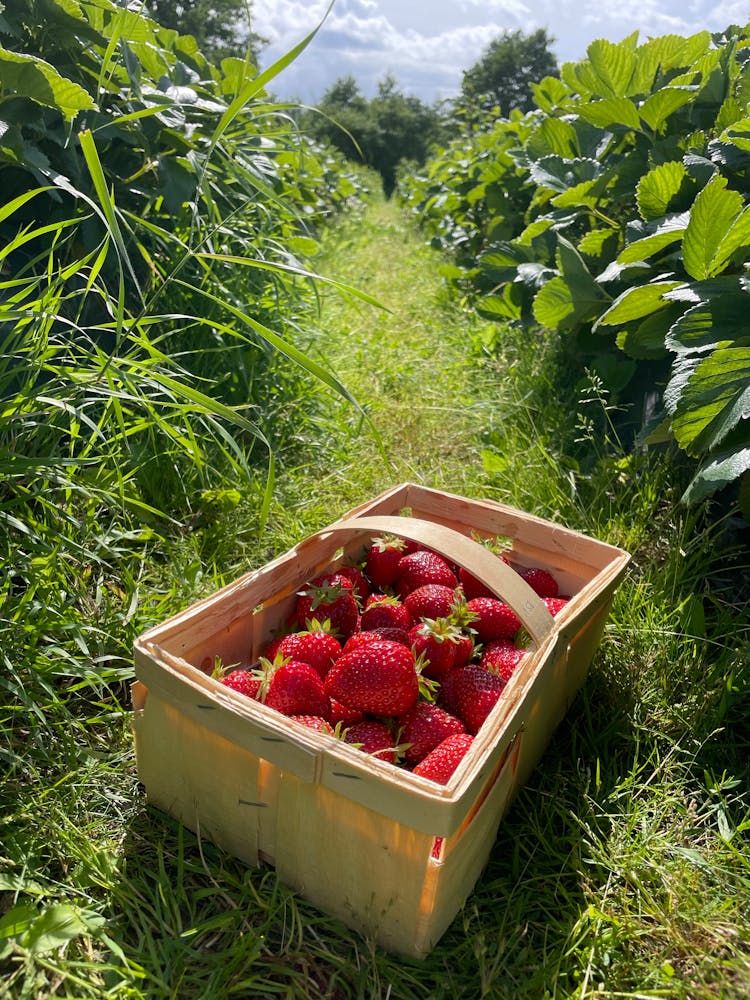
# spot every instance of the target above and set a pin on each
(611, 111)
(613, 64)
(715, 398)
(39, 81)
(635, 303)
(711, 324)
(713, 213)
(669, 232)
(658, 188)
(717, 473)
(659, 106)
(646, 341)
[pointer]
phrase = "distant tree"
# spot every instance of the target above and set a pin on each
(221, 27)
(381, 132)
(508, 67)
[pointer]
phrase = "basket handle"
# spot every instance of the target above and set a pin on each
(484, 565)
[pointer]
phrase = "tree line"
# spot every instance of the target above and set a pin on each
(391, 127)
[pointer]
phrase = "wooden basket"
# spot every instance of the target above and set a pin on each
(353, 834)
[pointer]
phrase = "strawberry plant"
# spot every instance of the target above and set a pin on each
(634, 237)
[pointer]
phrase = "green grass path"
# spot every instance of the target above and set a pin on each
(411, 365)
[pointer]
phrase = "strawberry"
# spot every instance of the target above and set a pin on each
(441, 762)
(315, 646)
(245, 681)
(376, 635)
(447, 696)
(494, 619)
(464, 650)
(424, 727)
(379, 678)
(433, 600)
(373, 737)
(423, 567)
(435, 640)
(383, 557)
(341, 714)
(360, 585)
(314, 722)
(555, 604)
(329, 597)
(540, 580)
(477, 691)
(502, 657)
(385, 612)
(294, 688)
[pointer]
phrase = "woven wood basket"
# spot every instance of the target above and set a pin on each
(353, 834)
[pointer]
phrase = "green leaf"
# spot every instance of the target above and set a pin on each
(573, 296)
(553, 304)
(714, 475)
(611, 111)
(711, 324)
(714, 399)
(57, 925)
(560, 174)
(658, 187)
(635, 303)
(596, 241)
(659, 106)
(586, 194)
(549, 93)
(666, 234)
(713, 213)
(647, 340)
(554, 136)
(18, 920)
(31, 77)
(614, 65)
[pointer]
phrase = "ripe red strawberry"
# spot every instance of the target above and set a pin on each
(493, 619)
(464, 650)
(477, 691)
(502, 657)
(360, 585)
(341, 714)
(441, 762)
(433, 600)
(383, 557)
(314, 722)
(373, 737)
(421, 568)
(329, 597)
(555, 604)
(424, 727)
(447, 696)
(385, 612)
(435, 642)
(295, 688)
(540, 581)
(244, 681)
(379, 678)
(315, 646)
(376, 635)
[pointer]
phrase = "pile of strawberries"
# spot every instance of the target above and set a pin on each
(403, 656)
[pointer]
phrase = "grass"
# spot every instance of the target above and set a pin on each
(622, 869)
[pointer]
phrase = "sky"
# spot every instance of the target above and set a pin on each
(426, 44)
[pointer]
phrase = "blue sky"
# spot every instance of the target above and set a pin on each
(426, 44)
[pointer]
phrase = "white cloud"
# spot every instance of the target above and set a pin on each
(427, 44)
